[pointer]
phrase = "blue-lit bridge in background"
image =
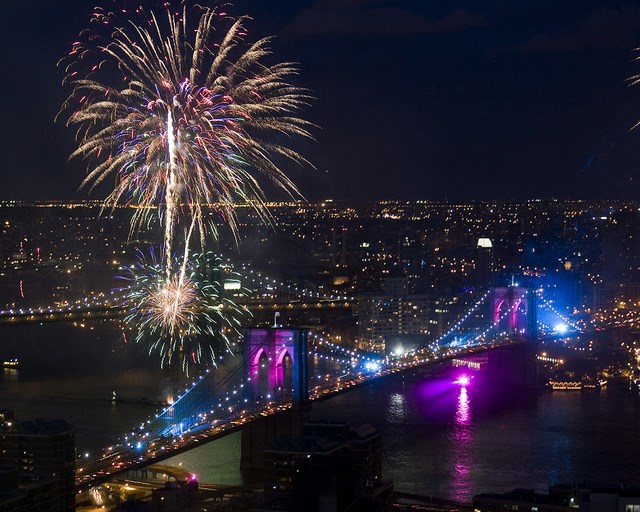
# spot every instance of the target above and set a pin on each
(256, 387)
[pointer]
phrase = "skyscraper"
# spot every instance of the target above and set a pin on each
(484, 264)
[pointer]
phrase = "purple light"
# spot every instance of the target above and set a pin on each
(463, 380)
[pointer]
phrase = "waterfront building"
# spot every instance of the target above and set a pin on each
(42, 455)
(333, 466)
(35, 496)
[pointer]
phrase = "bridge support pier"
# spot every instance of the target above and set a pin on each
(513, 367)
(274, 344)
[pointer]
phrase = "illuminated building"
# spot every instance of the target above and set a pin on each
(43, 454)
(394, 313)
(484, 264)
(411, 257)
(339, 248)
(619, 295)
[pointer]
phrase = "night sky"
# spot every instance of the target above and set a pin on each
(416, 99)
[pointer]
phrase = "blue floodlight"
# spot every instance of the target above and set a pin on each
(372, 366)
(561, 328)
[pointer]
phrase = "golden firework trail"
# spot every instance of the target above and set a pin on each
(188, 119)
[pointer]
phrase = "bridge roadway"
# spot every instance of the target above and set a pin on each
(103, 312)
(116, 461)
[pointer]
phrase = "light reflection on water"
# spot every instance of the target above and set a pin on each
(455, 442)
(9, 374)
(397, 409)
(462, 438)
(438, 438)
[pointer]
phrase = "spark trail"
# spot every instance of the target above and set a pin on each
(170, 194)
(185, 318)
(183, 119)
(189, 120)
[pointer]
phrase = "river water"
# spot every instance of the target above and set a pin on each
(439, 438)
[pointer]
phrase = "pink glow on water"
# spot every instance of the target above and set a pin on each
(462, 437)
(463, 412)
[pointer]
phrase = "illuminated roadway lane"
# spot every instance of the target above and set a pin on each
(103, 312)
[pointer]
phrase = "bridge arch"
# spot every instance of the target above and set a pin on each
(278, 345)
(512, 302)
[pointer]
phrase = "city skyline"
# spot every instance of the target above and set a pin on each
(447, 278)
(379, 289)
(460, 101)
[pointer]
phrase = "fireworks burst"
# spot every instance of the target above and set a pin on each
(170, 304)
(185, 119)
(185, 319)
